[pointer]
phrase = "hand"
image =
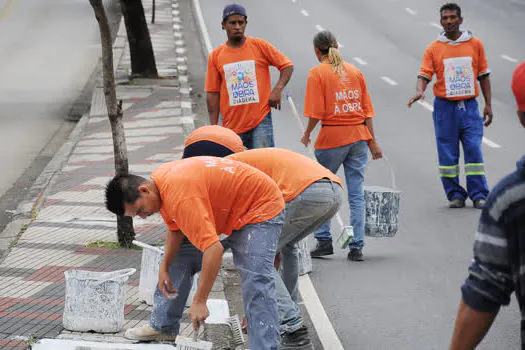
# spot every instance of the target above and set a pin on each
(198, 313)
(487, 115)
(375, 150)
(305, 140)
(275, 98)
(418, 96)
(165, 285)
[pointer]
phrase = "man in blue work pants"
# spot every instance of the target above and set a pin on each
(456, 121)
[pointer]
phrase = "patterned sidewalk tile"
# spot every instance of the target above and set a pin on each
(32, 287)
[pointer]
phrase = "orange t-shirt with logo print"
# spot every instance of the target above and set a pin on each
(242, 77)
(218, 134)
(292, 172)
(207, 197)
(457, 67)
(342, 104)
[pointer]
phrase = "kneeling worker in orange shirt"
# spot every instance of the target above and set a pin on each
(203, 200)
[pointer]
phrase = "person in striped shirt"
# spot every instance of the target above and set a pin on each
(499, 251)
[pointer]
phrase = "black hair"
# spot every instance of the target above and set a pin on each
(122, 189)
(450, 7)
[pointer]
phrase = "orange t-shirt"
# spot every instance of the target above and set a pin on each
(242, 77)
(205, 197)
(291, 171)
(456, 67)
(218, 134)
(342, 103)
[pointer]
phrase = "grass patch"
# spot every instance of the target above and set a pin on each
(110, 245)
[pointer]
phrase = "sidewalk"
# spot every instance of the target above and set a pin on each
(158, 115)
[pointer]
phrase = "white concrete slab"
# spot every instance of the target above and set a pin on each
(62, 344)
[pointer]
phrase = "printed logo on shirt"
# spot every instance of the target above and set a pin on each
(241, 82)
(459, 77)
(344, 103)
(224, 164)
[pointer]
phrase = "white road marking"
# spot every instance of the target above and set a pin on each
(436, 25)
(319, 28)
(389, 81)
(303, 11)
(410, 11)
(321, 322)
(508, 58)
(202, 25)
(485, 140)
(490, 143)
(294, 0)
(426, 105)
(360, 61)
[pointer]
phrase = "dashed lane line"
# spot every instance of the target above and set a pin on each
(360, 61)
(389, 81)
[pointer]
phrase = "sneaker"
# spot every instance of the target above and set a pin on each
(355, 254)
(146, 333)
(322, 248)
(457, 202)
(479, 203)
(297, 340)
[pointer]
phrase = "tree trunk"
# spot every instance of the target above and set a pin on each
(140, 48)
(125, 230)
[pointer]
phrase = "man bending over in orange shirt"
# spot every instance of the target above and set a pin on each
(204, 200)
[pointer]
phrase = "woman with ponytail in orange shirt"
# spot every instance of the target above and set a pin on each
(336, 95)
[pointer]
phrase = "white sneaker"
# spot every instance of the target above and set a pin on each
(146, 333)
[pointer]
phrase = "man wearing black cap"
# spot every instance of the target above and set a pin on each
(238, 82)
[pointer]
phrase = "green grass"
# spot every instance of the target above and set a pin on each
(110, 245)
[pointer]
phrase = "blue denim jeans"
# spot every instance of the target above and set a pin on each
(354, 158)
(254, 247)
(304, 214)
(261, 136)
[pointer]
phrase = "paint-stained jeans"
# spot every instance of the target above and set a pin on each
(254, 247)
(354, 158)
(261, 136)
(304, 214)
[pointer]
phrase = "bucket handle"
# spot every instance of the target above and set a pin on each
(392, 174)
(120, 273)
(147, 246)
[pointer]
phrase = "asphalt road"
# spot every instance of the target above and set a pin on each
(405, 295)
(48, 51)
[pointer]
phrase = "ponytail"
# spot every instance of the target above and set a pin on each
(336, 60)
(326, 43)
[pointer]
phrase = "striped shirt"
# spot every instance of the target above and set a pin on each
(498, 267)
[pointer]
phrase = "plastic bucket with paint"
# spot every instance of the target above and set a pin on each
(95, 300)
(382, 208)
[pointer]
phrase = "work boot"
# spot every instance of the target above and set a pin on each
(297, 340)
(146, 333)
(479, 203)
(355, 254)
(457, 202)
(322, 248)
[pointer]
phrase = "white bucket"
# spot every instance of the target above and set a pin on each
(149, 271)
(382, 208)
(95, 300)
